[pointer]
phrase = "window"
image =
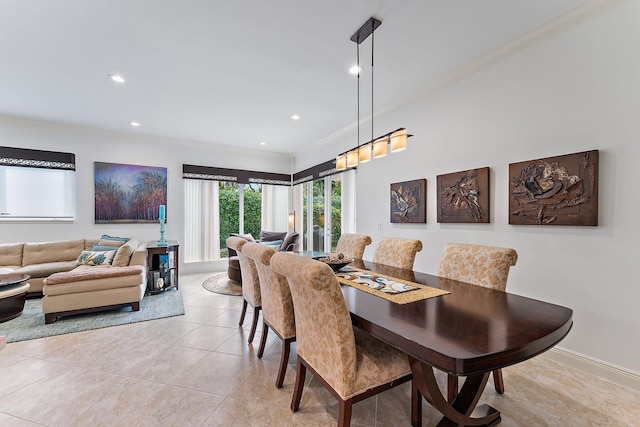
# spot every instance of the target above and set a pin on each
(216, 205)
(328, 207)
(36, 185)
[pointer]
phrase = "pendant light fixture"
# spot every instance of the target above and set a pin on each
(375, 147)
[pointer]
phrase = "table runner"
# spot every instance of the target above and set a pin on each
(421, 292)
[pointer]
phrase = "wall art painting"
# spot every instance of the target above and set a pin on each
(463, 197)
(128, 193)
(409, 202)
(561, 190)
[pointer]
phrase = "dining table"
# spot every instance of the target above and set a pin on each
(468, 332)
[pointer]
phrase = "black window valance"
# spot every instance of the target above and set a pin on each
(25, 157)
(316, 172)
(234, 175)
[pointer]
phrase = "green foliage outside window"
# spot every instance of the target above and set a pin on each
(230, 211)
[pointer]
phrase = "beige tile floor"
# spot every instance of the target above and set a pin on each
(198, 370)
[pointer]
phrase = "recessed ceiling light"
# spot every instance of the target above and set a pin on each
(116, 78)
(295, 117)
(263, 143)
(355, 69)
(134, 124)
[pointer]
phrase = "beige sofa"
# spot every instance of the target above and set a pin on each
(69, 288)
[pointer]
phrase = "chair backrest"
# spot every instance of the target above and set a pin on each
(324, 334)
(277, 306)
(352, 245)
(250, 280)
(480, 265)
(397, 252)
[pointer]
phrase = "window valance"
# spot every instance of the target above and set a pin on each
(234, 175)
(29, 158)
(316, 172)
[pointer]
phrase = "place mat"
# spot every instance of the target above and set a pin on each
(411, 293)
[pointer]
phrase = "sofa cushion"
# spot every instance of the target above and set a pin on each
(11, 254)
(46, 269)
(39, 253)
(90, 279)
(96, 257)
(123, 256)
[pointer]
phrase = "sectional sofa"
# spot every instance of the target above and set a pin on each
(82, 275)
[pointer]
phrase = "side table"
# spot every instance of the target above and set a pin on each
(162, 266)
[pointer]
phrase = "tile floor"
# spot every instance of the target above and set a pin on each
(198, 370)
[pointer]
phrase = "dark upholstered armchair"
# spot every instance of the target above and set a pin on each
(281, 241)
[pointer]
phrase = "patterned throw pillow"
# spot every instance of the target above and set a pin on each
(96, 258)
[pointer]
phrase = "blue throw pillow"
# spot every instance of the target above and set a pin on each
(273, 243)
(115, 239)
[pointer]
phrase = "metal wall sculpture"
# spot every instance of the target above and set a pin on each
(409, 202)
(463, 197)
(561, 190)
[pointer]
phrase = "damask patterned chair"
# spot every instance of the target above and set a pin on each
(352, 245)
(250, 283)
(397, 252)
(350, 363)
(486, 266)
(277, 306)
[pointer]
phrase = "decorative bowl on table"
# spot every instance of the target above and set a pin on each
(335, 261)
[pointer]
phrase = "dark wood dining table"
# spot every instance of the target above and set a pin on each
(468, 333)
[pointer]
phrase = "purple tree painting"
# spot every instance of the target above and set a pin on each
(128, 193)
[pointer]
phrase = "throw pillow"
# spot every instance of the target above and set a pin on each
(112, 241)
(123, 256)
(275, 244)
(96, 258)
(269, 236)
(103, 248)
(248, 237)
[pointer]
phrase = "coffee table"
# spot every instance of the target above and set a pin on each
(13, 293)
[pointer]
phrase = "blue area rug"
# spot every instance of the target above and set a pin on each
(30, 324)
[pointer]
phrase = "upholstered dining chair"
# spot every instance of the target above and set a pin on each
(397, 252)
(250, 284)
(352, 245)
(277, 306)
(350, 363)
(480, 265)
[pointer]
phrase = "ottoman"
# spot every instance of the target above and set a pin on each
(88, 289)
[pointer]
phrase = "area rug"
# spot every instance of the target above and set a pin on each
(30, 324)
(221, 284)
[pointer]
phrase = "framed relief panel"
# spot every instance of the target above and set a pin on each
(128, 193)
(561, 190)
(409, 202)
(463, 197)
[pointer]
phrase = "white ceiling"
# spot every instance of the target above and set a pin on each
(233, 72)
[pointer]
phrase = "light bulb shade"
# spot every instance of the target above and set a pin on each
(364, 153)
(341, 162)
(352, 158)
(380, 147)
(398, 141)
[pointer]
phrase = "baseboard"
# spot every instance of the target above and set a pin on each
(600, 368)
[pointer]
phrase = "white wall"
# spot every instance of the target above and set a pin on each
(576, 91)
(90, 145)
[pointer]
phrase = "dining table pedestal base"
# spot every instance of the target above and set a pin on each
(462, 411)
